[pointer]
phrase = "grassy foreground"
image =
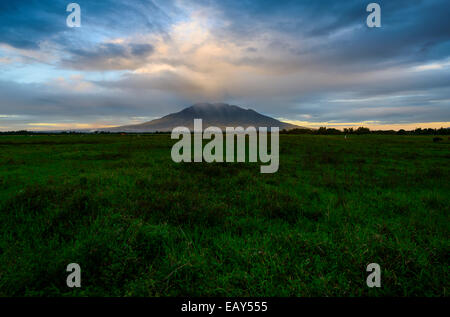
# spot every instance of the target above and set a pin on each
(141, 225)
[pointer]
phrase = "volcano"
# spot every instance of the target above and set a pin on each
(219, 115)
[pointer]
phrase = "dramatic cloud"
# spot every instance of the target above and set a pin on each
(307, 61)
(109, 56)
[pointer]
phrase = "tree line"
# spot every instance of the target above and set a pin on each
(363, 130)
(320, 131)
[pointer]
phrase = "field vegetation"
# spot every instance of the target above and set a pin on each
(141, 225)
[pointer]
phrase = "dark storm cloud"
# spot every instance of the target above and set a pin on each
(26, 23)
(23, 24)
(109, 56)
(43, 102)
(141, 49)
(166, 81)
(413, 31)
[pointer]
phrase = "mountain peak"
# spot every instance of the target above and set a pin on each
(210, 105)
(219, 115)
(214, 107)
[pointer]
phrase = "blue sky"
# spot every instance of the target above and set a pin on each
(310, 62)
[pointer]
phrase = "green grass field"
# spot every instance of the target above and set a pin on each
(140, 225)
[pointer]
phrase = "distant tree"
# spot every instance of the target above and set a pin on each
(362, 130)
(443, 131)
(348, 130)
(322, 131)
(297, 131)
(333, 131)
